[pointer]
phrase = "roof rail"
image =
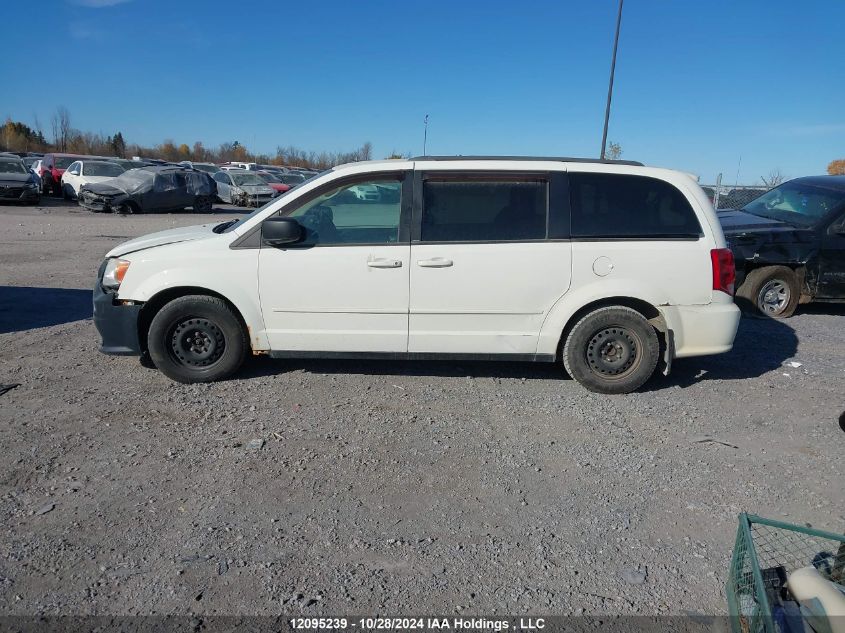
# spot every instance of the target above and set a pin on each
(560, 159)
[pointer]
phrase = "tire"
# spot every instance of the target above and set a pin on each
(127, 208)
(46, 186)
(202, 204)
(197, 338)
(65, 193)
(772, 292)
(611, 350)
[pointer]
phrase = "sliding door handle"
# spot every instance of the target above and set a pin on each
(384, 263)
(436, 262)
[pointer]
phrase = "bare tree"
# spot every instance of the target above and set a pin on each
(614, 151)
(60, 123)
(774, 179)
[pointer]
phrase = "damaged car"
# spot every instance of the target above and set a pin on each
(146, 189)
(243, 188)
(789, 246)
(17, 183)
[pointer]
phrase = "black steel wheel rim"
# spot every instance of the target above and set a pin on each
(196, 343)
(613, 352)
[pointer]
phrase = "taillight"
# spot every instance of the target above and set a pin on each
(724, 270)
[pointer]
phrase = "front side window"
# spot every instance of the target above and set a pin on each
(62, 162)
(360, 213)
(623, 206)
(483, 211)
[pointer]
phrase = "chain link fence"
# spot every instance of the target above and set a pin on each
(733, 196)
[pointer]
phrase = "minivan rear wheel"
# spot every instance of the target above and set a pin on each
(611, 350)
(197, 338)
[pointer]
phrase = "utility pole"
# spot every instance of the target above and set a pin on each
(425, 134)
(610, 86)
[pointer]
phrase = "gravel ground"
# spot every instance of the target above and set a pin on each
(384, 487)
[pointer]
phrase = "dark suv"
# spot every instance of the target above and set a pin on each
(789, 245)
(151, 189)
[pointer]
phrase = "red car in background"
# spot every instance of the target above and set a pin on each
(51, 170)
(272, 180)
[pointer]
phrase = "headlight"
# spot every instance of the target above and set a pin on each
(114, 273)
(30, 185)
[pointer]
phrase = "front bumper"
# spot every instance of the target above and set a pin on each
(15, 193)
(117, 323)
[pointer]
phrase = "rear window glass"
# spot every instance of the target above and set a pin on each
(615, 205)
(480, 211)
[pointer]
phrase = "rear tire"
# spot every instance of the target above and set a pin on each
(611, 350)
(197, 338)
(66, 192)
(202, 204)
(772, 291)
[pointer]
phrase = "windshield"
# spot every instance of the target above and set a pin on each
(63, 162)
(133, 180)
(209, 169)
(796, 203)
(270, 178)
(247, 179)
(292, 179)
(12, 167)
(102, 169)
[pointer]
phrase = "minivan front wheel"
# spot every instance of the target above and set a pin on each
(197, 338)
(611, 350)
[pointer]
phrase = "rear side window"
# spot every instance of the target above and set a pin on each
(481, 211)
(622, 206)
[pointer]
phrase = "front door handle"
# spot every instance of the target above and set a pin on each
(384, 263)
(437, 262)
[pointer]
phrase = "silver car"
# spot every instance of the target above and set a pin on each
(243, 188)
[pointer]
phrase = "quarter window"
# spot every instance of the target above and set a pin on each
(484, 210)
(615, 205)
(360, 213)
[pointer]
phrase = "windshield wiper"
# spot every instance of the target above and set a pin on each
(223, 226)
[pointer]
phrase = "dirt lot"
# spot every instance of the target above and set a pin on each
(384, 487)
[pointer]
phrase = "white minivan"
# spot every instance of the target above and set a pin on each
(607, 267)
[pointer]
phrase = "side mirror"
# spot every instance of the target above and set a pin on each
(278, 231)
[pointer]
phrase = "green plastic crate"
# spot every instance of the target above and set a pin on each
(762, 546)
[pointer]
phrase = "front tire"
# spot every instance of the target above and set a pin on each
(611, 350)
(202, 204)
(772, 291)
(197, 338)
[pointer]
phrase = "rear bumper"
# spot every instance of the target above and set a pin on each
(116, 323)
(702, 330)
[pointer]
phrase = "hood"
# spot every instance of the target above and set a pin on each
(735, 221)
(102, 188)
(256, 189)
(87, 180)
(15, 179)
(171, 236)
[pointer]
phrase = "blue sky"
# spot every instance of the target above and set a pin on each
(698, 84)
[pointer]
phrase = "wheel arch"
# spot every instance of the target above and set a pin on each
(651, 313)
(155, 303)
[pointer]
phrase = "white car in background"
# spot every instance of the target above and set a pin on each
(83, 172)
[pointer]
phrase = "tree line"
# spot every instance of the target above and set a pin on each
(16, 136)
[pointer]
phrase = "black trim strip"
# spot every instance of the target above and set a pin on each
(529, 358)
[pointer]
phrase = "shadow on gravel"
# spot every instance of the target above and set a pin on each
(827, 309)
(25, 308)
(444, 369)
(761, 346)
